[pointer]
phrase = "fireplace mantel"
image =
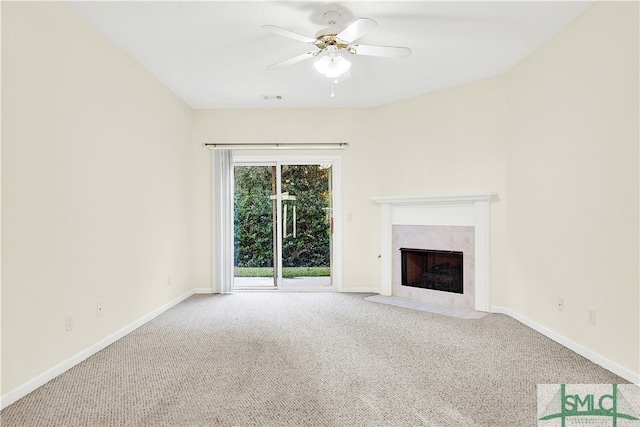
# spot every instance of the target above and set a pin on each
(471, 209)
(435, 200)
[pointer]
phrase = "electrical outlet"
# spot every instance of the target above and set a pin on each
(99, 309)
(69, 323)
(591, 316)
(560, 304)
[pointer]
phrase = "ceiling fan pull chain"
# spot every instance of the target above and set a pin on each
(333, 95)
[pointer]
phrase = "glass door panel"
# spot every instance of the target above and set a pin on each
(306, 217)
(255, 231)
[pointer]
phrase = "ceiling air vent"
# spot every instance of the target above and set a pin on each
(271, 97)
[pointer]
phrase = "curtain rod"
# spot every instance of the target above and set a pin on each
(276, 145)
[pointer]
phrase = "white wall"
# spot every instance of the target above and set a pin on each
(95, 189)
(253, 126)
(449, 142)
(557, 138)
(572, 183)
(106, 188)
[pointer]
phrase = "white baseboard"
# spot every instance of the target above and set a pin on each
(305, 288)
(203, 291)
(621, 371)
(375, 290)
(31, 385)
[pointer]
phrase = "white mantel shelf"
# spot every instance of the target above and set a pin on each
(469, 209)
(443, 198)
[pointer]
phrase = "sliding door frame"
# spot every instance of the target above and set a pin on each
(336, 183)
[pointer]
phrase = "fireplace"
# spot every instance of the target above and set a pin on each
(454, 222)
(432, 269)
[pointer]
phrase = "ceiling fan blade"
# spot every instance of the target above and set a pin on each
(357, 29)
(291, 61)
(385, 51)
(288, 33)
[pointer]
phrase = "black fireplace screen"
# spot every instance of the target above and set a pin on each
(430, 269)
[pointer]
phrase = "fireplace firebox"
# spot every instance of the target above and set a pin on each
(432, 269)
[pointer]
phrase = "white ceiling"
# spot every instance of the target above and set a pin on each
(214, 54)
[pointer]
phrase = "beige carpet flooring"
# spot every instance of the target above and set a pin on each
(309, 359)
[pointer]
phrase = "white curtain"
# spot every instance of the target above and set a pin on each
(222, 221)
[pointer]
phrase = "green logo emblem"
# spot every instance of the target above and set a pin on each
(585, 402)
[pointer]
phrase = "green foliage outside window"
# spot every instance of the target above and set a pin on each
(254, 216)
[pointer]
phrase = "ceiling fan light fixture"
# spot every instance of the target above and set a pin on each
(332, 66)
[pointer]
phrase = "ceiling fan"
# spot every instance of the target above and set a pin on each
(333, 42)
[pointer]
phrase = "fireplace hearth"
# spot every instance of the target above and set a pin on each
(432, 269)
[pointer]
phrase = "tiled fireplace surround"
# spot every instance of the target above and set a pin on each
(449, 222)
(446, 238)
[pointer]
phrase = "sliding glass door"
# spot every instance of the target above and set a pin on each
(283, 217)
